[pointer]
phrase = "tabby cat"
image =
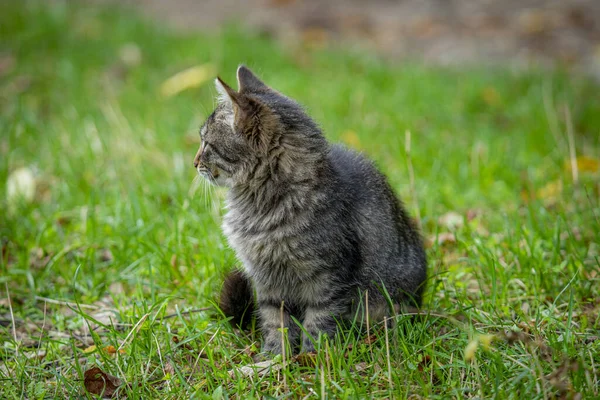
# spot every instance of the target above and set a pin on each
(315, 225)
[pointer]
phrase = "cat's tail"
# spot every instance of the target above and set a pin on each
(237, 299)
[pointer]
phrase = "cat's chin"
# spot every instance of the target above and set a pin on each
(220, 181)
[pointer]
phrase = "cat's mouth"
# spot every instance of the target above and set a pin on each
(207, 173)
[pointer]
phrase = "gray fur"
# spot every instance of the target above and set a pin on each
(315, 225)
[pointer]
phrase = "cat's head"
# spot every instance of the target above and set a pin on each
(244, 129)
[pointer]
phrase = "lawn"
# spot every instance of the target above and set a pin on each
(111, 259)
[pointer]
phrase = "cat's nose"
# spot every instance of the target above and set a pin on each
(197, 158)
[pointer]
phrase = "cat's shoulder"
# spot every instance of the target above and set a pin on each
(350, 161)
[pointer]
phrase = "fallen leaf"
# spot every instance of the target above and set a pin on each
(90, 349)
(20, 186)
(424, 363)
(490, 96)
(186, 79)
(168, 369)
(550, 191)
(106, 255)
(451, 220)
(584, 164)
(261, 368)
(99, 382)
(442, 238)
(361, 366)
(371, 339)
(130, 55)
(116, 288)
(471, 349)
(306, 359)
(486, 340)
(472, 214)
(38, 258)
(110, 349)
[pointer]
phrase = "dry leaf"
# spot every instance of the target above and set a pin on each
(168, 369)
(110, 349)
(486, 340)
(90, 349)
(361, 366)
(130, 55)
(20, 186)
(99, 382)
(260, 368)
(490, 96)
(443, 238)
(186, 79)
(116, 288)
(370, 339)
(306, 359)
(451, 220)
(38, 258)
(584, 164)
(550, 191)
(106, 255)
(424, 363)
(471, 349)
(472, 214)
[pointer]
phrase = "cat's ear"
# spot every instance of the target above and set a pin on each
(247, 81)
(242, 105)
(226, 93)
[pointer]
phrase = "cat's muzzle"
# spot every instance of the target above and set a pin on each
(207, 173)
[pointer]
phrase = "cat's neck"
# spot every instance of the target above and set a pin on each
(293, 173)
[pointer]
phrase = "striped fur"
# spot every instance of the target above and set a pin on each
(314, 224)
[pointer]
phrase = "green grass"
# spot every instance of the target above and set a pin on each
(114, 231)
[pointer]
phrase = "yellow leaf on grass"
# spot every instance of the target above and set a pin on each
(351, 139)
(551, 190)
(471, 349)
(486, 340)
(188, 78)
(90, 349)
(584, 164)
(110, 349)
(490, 96)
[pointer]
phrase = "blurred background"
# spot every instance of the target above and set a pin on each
(446, 32)
(484, 115)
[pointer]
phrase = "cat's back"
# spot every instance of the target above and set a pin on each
(384, 229)
(358, 177)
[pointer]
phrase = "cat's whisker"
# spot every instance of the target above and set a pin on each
(216, 200)
(205, 192)
(194, 186)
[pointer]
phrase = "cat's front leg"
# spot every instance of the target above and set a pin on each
(272, 318)
(317, 321)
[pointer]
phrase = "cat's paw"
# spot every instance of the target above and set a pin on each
(308, 344)
(271, 348)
